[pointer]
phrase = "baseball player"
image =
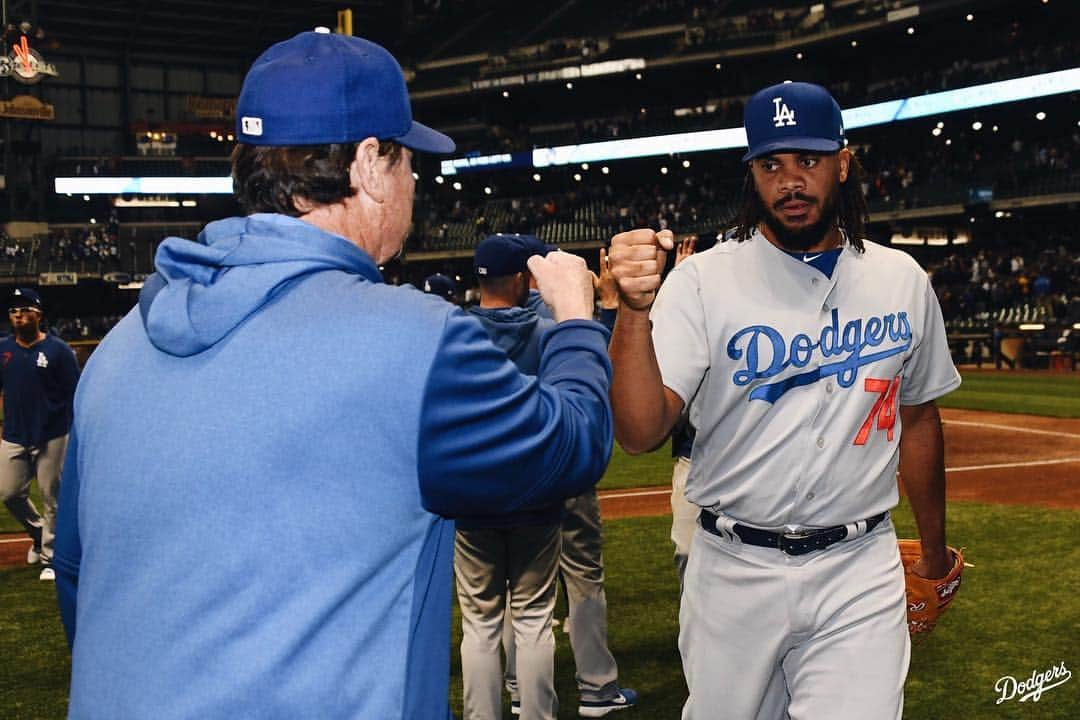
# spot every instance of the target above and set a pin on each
(38, 374)
(581, 571)
(810, 358)
(505, 565)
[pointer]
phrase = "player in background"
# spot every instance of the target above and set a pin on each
(810, 358)
(38, 374)
(505, 564)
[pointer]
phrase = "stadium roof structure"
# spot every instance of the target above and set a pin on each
(210, 32)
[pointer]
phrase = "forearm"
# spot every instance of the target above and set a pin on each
(922, 470)
(638, 398)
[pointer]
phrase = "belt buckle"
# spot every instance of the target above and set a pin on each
(787, 543)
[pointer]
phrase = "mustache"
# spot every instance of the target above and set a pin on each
(794, 196)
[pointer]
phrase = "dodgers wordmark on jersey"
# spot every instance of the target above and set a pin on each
(794, 378)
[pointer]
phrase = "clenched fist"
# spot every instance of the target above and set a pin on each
(637, 260)
(565, 283)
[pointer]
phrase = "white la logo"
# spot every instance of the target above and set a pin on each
(42, 361)
(251, 125)
(784, 115)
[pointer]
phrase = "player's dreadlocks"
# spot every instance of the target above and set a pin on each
(852, 214)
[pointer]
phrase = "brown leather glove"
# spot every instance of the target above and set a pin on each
(927, 599)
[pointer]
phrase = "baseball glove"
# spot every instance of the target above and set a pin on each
(927, 599)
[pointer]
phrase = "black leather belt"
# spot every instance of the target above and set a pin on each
(797, 543)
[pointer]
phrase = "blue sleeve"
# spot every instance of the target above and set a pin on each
(493, 440)
(67, 549)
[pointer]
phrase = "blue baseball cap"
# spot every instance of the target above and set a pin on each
(441, 285)
(24, 298)
(506, 254)
(536, 245)
(792, 116)
(320, 88)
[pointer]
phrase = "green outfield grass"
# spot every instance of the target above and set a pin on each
(1055, 395)
(1017, 613)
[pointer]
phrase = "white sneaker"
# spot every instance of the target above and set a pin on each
(33, 556)
(47, 573)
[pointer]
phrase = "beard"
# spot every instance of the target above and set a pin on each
(27, 332)
(803, 238)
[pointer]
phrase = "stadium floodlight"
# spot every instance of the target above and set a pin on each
(144, 185)
(947, 101)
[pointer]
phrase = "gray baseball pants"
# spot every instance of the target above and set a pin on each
(765, 636)
(581, 568)
(496, 567)
(19, 464)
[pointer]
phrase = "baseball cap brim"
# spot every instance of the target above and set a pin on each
(793, 143)
(421, 137)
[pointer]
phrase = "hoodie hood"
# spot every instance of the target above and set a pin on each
(512, 329)
(204, 289)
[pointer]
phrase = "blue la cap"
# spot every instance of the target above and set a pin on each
(321, 88)
(506, 254)
(24, 298)
(441, 285)
(792, 116)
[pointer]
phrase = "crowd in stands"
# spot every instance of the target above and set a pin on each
(93, 244)
(717, 112)
(89, 328)
(1037, 279)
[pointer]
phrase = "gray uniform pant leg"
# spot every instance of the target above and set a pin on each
(18, 465)
(684, 515)
(581, 566)
(494, 567)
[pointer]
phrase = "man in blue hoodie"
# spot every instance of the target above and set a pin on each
(254, 519)
(506, 564)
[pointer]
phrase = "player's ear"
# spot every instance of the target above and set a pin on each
(844, 156)
(364, 171)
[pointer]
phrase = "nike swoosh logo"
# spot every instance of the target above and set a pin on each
(808, 259)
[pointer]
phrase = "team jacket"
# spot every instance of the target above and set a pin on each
(38, 383)
(265, 454)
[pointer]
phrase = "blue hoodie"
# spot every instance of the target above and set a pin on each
(517, 331)
(253, 518)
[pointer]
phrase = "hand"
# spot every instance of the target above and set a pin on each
(686, 248)
(933, 565)
(637, 259)
(565, 283)
(606, 285)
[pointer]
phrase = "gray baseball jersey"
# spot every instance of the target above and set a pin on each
(796, 377)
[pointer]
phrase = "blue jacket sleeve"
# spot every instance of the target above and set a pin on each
(67, 548)
(493, 440)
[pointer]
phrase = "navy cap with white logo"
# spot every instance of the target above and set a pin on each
(506, 254)
(319, 88)
(441, 285)
(792, 116)
(24, 298)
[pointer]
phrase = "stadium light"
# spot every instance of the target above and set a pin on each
(854, 43)
(1032, 326)
(457, 186)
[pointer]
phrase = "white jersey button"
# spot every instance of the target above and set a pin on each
(810, 496)
(828, 388)
(821, 442)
